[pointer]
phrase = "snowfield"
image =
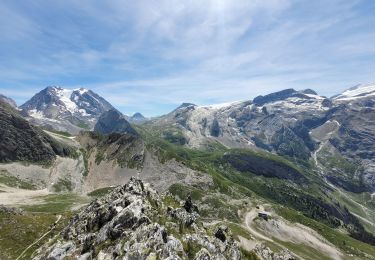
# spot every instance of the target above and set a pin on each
(356, 92)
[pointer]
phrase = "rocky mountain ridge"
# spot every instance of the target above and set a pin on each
(284, 123)
(289, 123)
(8, 100)
(303, 151)
(112, 121)
(133, 222)
(21, 141)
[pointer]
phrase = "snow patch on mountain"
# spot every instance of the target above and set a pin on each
(296, 104)
(68, 109)
(221, 105)
(36, 114)
(359, 91)
(65, 97)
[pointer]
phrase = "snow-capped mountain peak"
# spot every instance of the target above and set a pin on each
(356, 92)
(79, 107)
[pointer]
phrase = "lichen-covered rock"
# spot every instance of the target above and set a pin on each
(132, 222)
(11, 210)
(265, 253)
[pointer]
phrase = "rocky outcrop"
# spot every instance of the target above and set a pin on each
(265, 253)
(281, 95)
(132, 222)
(128, 150)
(112, 121)
(8, 100)
(21, 141)
(11, 210)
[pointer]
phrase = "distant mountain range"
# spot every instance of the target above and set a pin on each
(280, 168)
(297, 124)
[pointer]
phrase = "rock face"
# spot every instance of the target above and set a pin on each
(132, 222)
(8, 100)
(265, 253)
(64, 109)
(286, 123)
(277, 96)
(251, 162)
(352, 143)
(21, 141)
(277, 122)
(112, 121)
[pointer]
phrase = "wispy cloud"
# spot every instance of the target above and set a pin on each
(149, 56)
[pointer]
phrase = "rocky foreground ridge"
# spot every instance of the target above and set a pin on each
(135, 222)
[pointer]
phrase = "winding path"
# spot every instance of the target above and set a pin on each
(38, 240)
(248, 218)
(250, 215)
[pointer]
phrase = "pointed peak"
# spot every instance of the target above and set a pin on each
(309, 92)
(186, 105)
(52, 88)
(81, 90)
(137, 115)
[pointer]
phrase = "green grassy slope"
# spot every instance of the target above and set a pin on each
(311, 198)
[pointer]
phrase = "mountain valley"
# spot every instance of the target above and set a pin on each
(288, 175)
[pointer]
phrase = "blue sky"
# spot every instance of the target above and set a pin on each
(150, 56)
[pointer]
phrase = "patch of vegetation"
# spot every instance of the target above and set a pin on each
(183, 191)
(263, 164)
(170, 201)
(85, 161)
(127, 150)
(63, 133)
(214, 207)
(304, 251)
(360, 204)
(99, 158)
(174, 136)
(249, 255)
(100, 192)
(19, 231)
(83, 125)
(238, 230)
(56, 203)
(15, 182)
(342, 171)
(342, 241)
(214, 146)
(191, 248)
(62, 185)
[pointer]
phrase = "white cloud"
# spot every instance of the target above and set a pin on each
(153, 53)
